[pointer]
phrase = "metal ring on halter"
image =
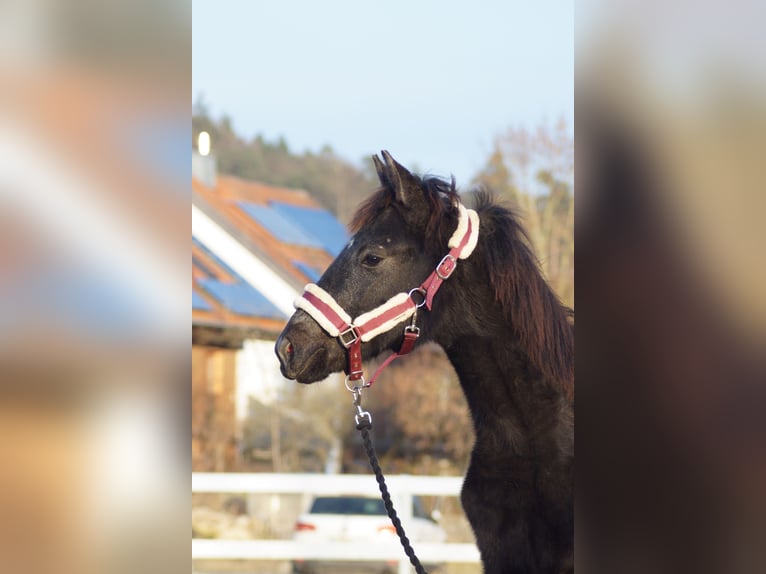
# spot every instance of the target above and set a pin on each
(422, 293)
(356, 388)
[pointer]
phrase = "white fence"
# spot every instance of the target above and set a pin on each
(402, 488)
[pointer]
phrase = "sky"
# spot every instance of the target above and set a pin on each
(433, 82)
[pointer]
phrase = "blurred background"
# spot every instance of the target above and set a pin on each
(671, 391)
(94, 371)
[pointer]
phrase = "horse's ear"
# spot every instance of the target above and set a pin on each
(406, 186)
(381, 169)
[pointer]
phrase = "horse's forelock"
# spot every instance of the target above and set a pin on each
(369, 209)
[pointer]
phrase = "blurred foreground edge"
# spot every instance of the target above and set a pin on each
(94, 297)
(671, 392)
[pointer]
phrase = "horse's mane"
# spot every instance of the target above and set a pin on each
(539, 320)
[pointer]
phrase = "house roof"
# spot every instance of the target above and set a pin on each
(285, 229)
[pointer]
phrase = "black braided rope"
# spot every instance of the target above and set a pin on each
(364, 427)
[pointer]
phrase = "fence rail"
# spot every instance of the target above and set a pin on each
(294, 483)
(430, 552)
(402, 488)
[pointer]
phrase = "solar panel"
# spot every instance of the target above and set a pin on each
(319, 223)
(239, 297)
(199, 302)
(310, 272)
(279, 226)
(202, 267)
(242, 299)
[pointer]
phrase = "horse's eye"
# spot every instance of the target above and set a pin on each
(371, 260)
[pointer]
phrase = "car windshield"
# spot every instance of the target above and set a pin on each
(348, 505)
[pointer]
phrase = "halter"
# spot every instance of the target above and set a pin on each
(337, 323)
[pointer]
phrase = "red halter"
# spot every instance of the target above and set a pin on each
(402, 306)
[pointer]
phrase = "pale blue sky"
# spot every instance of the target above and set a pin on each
(433, 82)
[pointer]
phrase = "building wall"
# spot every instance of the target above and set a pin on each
(214, 427)
(258, 375)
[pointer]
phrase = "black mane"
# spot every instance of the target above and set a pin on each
(538, 318)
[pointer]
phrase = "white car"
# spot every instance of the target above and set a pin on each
(359, 519)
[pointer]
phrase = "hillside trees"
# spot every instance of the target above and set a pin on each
(333, 181)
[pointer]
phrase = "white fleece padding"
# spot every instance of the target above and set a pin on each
(319, 317)
(464, 215)
(474, 238)
(394, 301)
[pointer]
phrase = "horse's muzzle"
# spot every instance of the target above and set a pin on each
(303, 350)
(297, 362)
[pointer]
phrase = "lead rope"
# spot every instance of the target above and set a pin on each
(363, 420)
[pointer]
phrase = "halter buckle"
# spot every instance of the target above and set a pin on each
(446, 266)
(349, 337)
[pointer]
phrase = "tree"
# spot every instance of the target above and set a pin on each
(534, 172)
(302, 431)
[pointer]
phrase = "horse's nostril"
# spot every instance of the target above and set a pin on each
(284, 350)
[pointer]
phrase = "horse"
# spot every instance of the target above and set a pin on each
(505, 332)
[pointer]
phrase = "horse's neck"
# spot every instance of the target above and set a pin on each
(516, 403)
(514, 409)
(486, 371)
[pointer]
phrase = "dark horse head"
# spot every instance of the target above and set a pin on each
(397, 242)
